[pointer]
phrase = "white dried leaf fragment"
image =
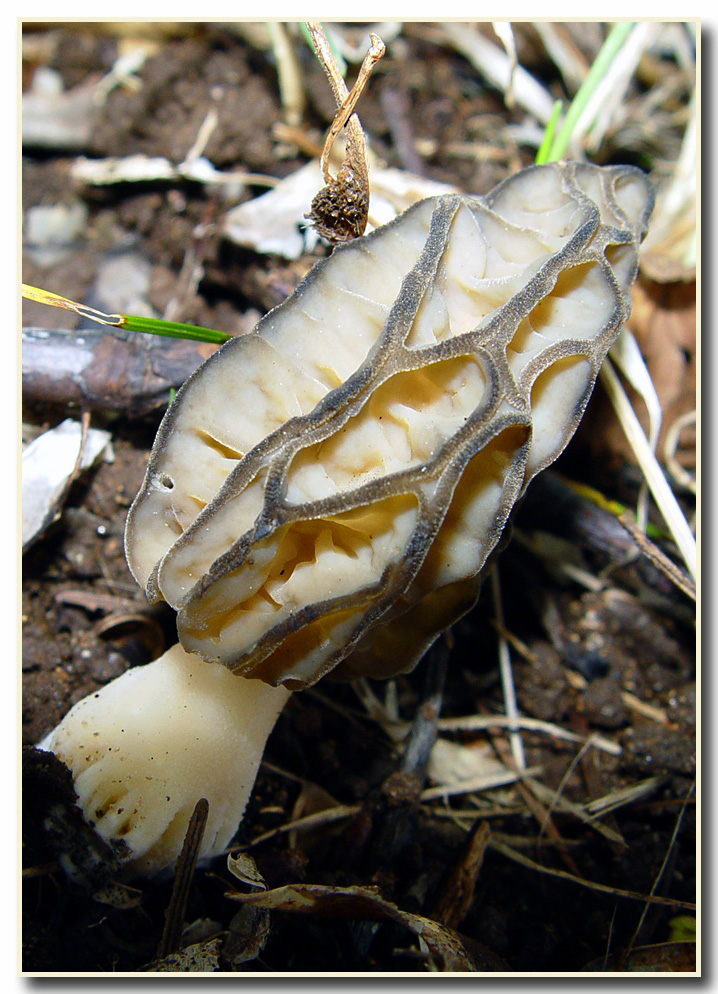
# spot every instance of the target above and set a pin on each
(325, 491)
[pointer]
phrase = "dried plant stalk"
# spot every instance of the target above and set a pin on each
(340, 210)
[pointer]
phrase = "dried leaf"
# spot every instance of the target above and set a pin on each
(458, 891)
(118, 895)
(245, 870)
(670, 249)
(248, 933)
(202, 957)
(663, 322)
(451, 762)
(445, 946)
(270, 224)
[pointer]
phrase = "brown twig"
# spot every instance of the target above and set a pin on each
(522, 860)
(658, 558)
(174, 916)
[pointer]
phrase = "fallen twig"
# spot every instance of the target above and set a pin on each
(174, 922)
(658, 558)
(518, 857)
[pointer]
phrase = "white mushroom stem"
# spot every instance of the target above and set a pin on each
(146, 747)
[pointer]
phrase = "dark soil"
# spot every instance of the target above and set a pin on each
(580, 652)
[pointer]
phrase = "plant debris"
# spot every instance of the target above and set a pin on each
(50, 463)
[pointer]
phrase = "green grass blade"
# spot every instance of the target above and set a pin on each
(150, 326)
(542, 156)
(612, 45)
(173, 329)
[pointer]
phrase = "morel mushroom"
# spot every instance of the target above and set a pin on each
(324, 493)
(326, 490)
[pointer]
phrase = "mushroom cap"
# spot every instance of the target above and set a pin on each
(325, 491)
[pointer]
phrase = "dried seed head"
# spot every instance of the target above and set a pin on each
(341, 208)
